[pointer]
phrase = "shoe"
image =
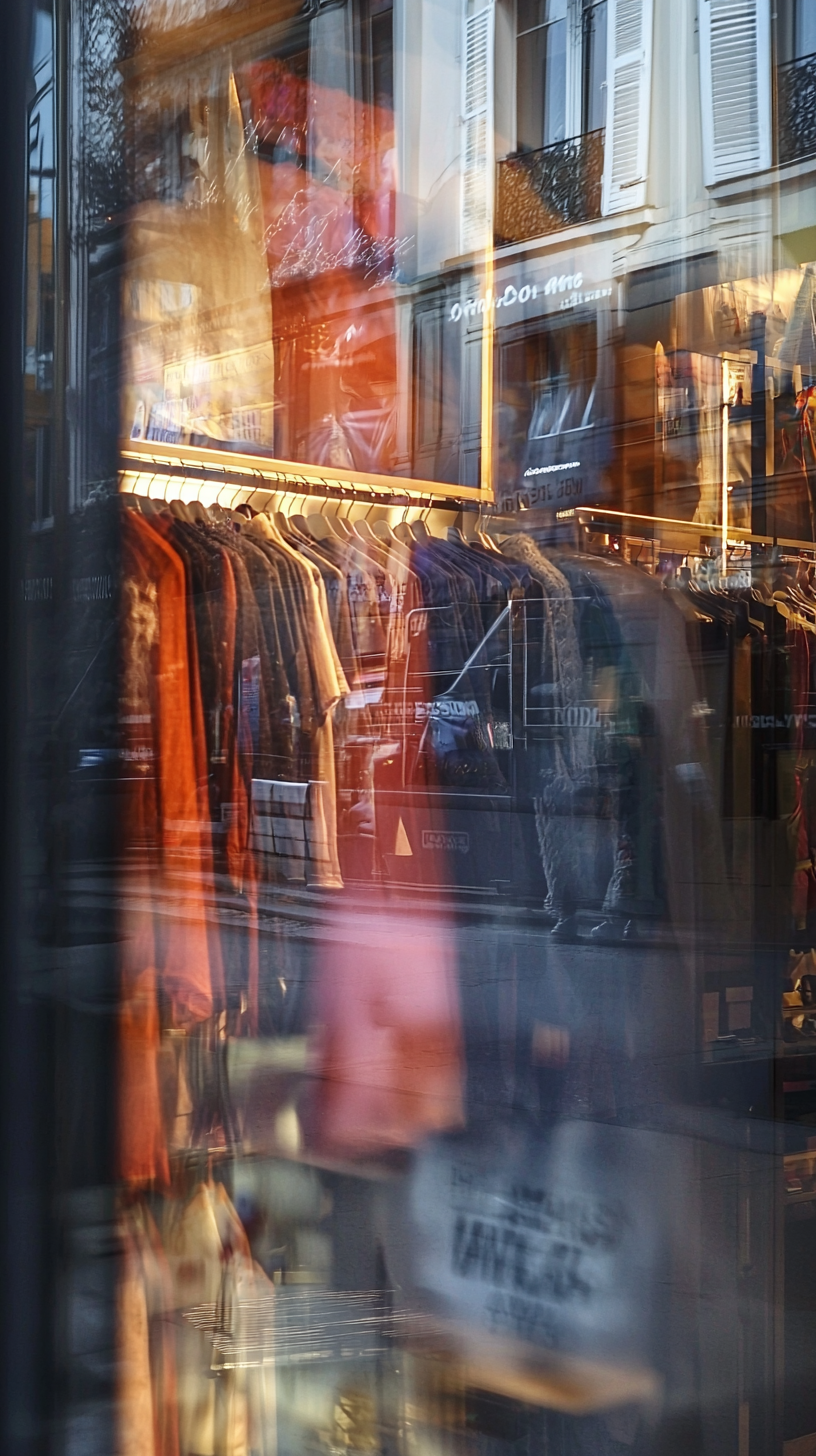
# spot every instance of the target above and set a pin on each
(608, 932)
(565, 929)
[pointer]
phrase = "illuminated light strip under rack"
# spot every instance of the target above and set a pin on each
(208, 475)
(697, 528)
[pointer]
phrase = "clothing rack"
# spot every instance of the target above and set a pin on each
(594, 516)
(231, 479)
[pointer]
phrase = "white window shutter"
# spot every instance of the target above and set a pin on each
(628, 104)
(735, 87)
(477, 129)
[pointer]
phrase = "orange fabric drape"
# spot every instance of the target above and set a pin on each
(166, 949)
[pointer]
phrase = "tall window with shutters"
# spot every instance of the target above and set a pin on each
(735, 88)
(477, 121)
(582, 75)
(629, 69)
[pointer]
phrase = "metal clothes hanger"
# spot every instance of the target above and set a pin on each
(257, 490)
(404, 531)
(318, 526)
(364, 532)
(483, 537)
(158, 504)
(228, 513)
(342, 527)
(148, 498)
(296, 522)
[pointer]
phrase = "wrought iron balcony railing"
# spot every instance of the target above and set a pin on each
(796, 109)
(540, 192)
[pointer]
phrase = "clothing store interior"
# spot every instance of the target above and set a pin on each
(456, 842)
(437, 861)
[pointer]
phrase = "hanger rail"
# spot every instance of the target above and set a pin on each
(202, 473)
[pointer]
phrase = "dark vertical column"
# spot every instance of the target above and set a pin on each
(25, 1359)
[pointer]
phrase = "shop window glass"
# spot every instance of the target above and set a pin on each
(416, 993)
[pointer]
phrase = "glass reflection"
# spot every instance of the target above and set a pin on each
(419, 588)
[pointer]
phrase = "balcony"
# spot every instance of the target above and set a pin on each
(556, 187)
(796, 109)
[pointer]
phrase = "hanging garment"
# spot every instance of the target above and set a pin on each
(142, 1138)
(654, 638)
(564, 772)
(357, 713)
(336, 596)
(237, 731)
(388, 1039)
(623, 745)
(155, 584)
(449, 598)
(215, 607)
(183, 541)
(165, 842)
(364, 590)
(319, 663)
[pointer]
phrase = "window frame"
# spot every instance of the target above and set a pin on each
(575, 102)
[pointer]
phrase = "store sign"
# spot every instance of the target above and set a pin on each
(567, 288)
(547, 493)
(551, 469)
(560, 471)
(451, 841)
